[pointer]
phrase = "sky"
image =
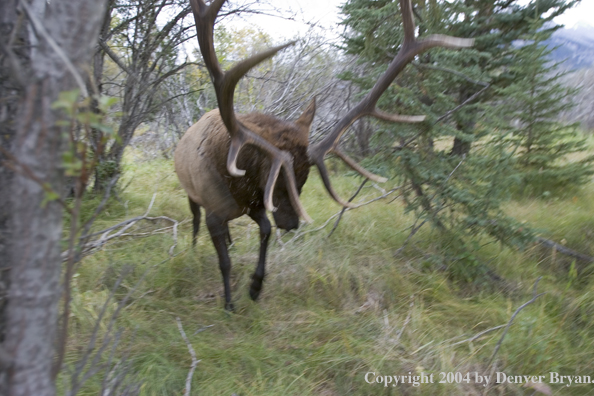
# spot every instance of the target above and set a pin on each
(322, 13)
(326, 14)
(582, 13)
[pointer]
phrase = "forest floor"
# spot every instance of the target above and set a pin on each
(336, 312)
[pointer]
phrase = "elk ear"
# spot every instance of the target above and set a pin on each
(307, 117)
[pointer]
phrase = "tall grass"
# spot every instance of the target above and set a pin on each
(334, 309)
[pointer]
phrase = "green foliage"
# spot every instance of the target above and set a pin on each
(456, 168)
(528, 119)
(77, 161)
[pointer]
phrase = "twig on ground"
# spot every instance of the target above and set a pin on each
(564, 250)
(116, 377)
(200, 330)
(521, 307)
(195, 361)
(125, 222)
(107, 235)
(479, 335)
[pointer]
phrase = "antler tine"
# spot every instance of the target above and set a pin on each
(205, 17)
(319, 163)
(358, 168)
(241, 68)
(224, 84)
(411, 47)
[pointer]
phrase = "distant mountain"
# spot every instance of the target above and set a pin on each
(575, 45)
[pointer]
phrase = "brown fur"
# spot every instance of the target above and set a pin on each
(201, 157)
(200, 163)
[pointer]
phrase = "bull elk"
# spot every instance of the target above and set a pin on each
(228, 180)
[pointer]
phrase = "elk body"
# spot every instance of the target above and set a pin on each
(231, 165)
(200, 163)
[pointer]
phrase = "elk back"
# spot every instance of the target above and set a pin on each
(201, 156)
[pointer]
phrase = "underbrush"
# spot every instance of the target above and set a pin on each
(334, 309)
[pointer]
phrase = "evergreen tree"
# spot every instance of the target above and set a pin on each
(529, 119)
(455, 176)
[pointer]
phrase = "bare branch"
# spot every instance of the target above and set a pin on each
(116, 59)
(382, 115)
(521, 307)
(479, 335)
(106, 235)
(564, 250)
(195, 361)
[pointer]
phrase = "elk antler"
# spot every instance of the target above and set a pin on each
(224, 84)
(411, 47)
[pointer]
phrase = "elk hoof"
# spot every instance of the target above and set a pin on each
(255, 291)
(229, 307)
(256, 287)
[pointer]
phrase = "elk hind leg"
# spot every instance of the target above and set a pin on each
(195, 208)
(260, 217)
(219, 231)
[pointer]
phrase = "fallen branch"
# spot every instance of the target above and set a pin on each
(107, 235)
(564, 250)
(507, 326)
(521, 307)
(479, 335)
(195, 361)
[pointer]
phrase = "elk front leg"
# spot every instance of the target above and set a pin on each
(259, 216)
(219, 231)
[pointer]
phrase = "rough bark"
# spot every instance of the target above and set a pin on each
(14, 38)
(32, 227)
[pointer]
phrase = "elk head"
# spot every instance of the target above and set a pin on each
(249, 181)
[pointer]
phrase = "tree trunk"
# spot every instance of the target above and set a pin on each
(32, 226)
(465, 123)
(96, 83)
(133, 107)
(9, 92)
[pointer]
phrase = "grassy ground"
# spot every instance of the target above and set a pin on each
(334, 309)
